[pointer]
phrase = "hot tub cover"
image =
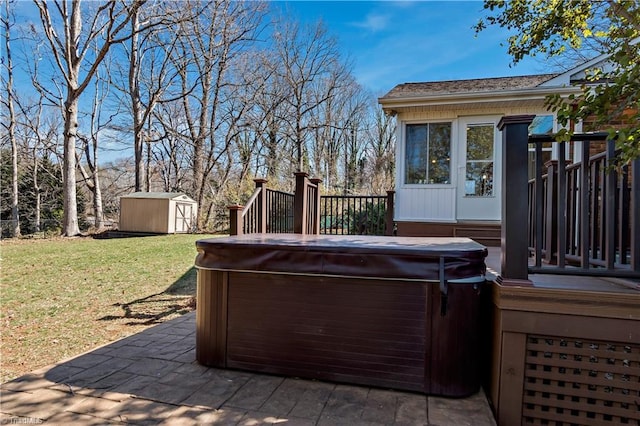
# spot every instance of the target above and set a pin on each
(415, 258)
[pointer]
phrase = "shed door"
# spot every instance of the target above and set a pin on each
(479, 171)
(184, 213)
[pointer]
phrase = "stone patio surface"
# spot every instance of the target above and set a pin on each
(152, 378)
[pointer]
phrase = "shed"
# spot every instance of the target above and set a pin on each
(157, 212)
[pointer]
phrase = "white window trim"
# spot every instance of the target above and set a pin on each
(402, 149)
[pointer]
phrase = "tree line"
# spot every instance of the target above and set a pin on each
(205, 96)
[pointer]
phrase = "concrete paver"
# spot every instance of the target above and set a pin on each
(152, 378)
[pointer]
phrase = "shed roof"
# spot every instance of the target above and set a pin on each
(160, 195)
(478, 85)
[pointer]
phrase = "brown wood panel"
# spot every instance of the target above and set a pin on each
(487, 233)
(567, 417)
(577, 303)
(581, 392)
(576, 359)
(342, 329)
(606, 329)
(211, 323)
(600, 380)
(455, 342)
(511, 378)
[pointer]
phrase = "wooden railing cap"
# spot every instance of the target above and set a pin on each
(515, 119)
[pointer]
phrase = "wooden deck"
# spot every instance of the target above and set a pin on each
(566, 282)
(563, 348)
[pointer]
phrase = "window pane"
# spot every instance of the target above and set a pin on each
(480, 142)
(479, 179)
(427, 157)
(479, 176)
(541, 125)
(439, 152)
(416, 154)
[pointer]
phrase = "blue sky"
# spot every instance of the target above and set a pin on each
(393, 42)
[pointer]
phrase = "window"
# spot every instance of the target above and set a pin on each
(542, 124)
(479, 173)
(428, 154)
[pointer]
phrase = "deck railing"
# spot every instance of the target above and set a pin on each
(583, 217)
(307, 212)
(279, 211)
(357, 214)
(306, 219)
(266, 211)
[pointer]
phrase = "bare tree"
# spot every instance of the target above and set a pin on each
(7, 22)
(380, 151)
(207, 48)
(170, 153)
(264, 93)
(90, 142)
(338, 122)
(149, 74)
(305, 57)
(72, 48)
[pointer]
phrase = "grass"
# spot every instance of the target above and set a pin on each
(63, 297)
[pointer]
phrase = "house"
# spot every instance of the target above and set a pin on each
(157, 213)
(448, 171)
(563, 309)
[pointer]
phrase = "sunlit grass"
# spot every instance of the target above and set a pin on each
(63, 297)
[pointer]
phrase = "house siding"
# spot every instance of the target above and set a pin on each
(438, 203)
(425, 204)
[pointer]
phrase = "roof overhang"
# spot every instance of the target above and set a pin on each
(497, 98)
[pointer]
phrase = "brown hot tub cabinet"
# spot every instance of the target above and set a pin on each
(381, 311)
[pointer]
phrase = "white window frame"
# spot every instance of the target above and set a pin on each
(401, 170)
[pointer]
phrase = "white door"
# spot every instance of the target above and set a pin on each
(479, 170)
(184, 213)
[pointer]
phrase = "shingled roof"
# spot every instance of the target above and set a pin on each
(410, 90)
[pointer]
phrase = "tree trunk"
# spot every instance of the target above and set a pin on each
(97, 203)
(70, 222)
(15, 228)
(36, 190)
(136, 107)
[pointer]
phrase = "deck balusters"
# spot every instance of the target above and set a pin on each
(588, 225)
(308, 212)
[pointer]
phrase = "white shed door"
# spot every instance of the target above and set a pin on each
(479, 170)
(184, 213)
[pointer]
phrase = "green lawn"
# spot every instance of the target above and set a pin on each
(63, 297)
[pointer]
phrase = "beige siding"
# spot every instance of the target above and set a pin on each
(447, 112)
(144, 215)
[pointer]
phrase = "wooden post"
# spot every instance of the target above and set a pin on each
(634, 216)
(389, 217)
(610, 186)
(300, 204)
(513, 238)
(262, 205)
(316, 213)
(551, 212)
(235, 219)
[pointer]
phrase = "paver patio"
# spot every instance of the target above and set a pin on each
(152, 378)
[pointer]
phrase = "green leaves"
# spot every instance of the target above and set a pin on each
(609, 98)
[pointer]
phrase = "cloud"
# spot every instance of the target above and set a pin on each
(373, 23)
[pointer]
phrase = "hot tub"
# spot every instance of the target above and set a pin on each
(393, 312)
